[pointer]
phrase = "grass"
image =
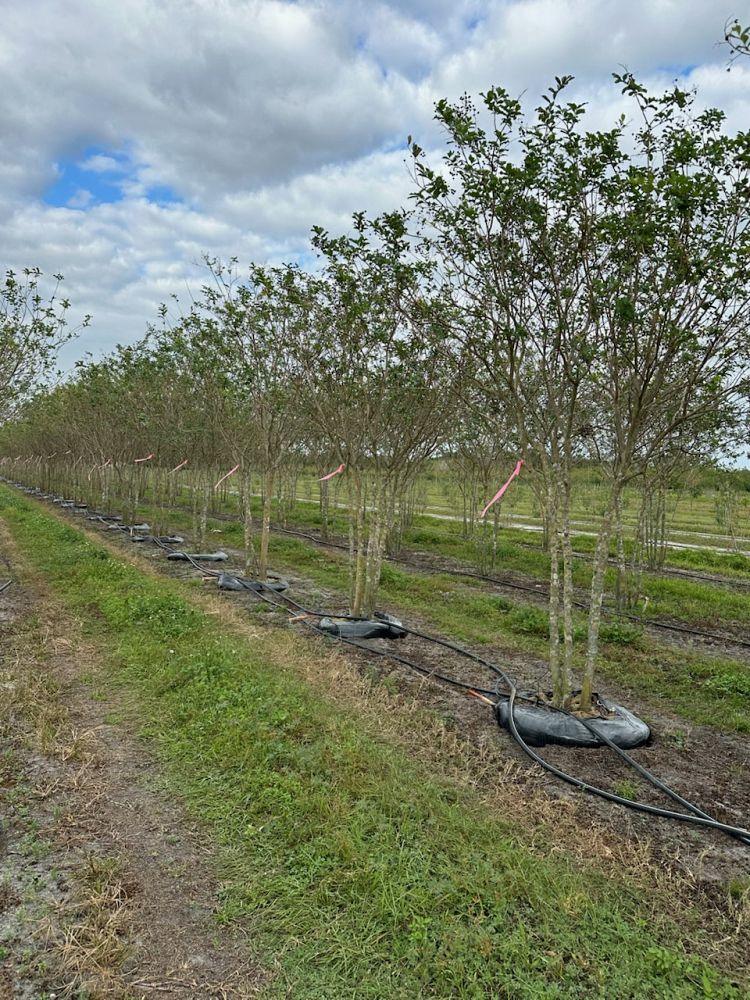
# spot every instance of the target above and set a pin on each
(360, 872)
(72, 918)
(703, 689)
(686, 600)
(708, 690)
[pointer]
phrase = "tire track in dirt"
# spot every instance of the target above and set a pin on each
(109, 885)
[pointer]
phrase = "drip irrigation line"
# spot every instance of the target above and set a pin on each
(5, 586)
(696, 816)
(648, 775)
(539, 591)
(736, 832)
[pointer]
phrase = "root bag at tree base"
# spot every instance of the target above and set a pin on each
(540, 725)
(384, 627)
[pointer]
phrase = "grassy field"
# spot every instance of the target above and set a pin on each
(709, 505)
(360, 871)
(706, 689)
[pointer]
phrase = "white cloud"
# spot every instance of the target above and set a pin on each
(262, 117)
(99, 164)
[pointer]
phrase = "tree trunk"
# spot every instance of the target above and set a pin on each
(558, 686)
(324, 505)
(247, 522)
(621, 582)
(357, 544)
(567, 599)
(205, 499)
(597, 594)
(265, 531)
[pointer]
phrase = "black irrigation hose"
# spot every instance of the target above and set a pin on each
(325, 614)
(733, 831)
(511, 584)
(5, 586)
(699, 817)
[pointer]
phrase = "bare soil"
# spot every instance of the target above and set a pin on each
(107, 886)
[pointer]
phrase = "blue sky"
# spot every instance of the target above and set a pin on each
(141, 135)
(99, 176)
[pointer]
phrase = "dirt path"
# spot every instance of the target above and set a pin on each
(107, 889)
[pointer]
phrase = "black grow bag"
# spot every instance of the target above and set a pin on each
(384, 627)
(228, 582)
(539, 725)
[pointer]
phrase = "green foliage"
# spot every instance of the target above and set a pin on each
(620, 633)
(32, 328)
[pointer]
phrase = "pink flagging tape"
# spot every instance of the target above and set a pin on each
(180, 466)
(504, 487)
(332, 474)
(104, 465)
(230, 473)
(147, 458)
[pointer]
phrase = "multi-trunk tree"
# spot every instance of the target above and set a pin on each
(379, 376)
(601, 284)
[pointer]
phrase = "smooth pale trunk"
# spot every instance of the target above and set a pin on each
(622, 572)
(247, 523)
(558, 687)
(567, 601)
(265, 531)
(205, 499)
(597, 594)
(324, 506)
(360, 551)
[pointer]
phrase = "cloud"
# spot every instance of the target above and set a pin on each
(139, 135)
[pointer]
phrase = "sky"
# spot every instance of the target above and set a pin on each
(137, 136)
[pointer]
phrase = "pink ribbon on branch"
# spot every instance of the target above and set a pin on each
(332, 474)
(180, 466)
(147, 458)
(504, 487)
(104, 465)
(230, 473)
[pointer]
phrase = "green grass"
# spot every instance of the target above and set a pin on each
(688, 601)
(708, 690)
(360, 873)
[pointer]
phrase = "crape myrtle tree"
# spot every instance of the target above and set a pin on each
(33, 327)
(238, 338)
(606, 277)
(671, 298)
(510, 214)
(378, 376)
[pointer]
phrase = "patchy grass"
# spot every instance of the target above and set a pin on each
(65, 927)
(708, 690)
(362, 873)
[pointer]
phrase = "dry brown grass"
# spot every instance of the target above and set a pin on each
(87, 937)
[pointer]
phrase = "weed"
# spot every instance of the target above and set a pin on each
(627, 790)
